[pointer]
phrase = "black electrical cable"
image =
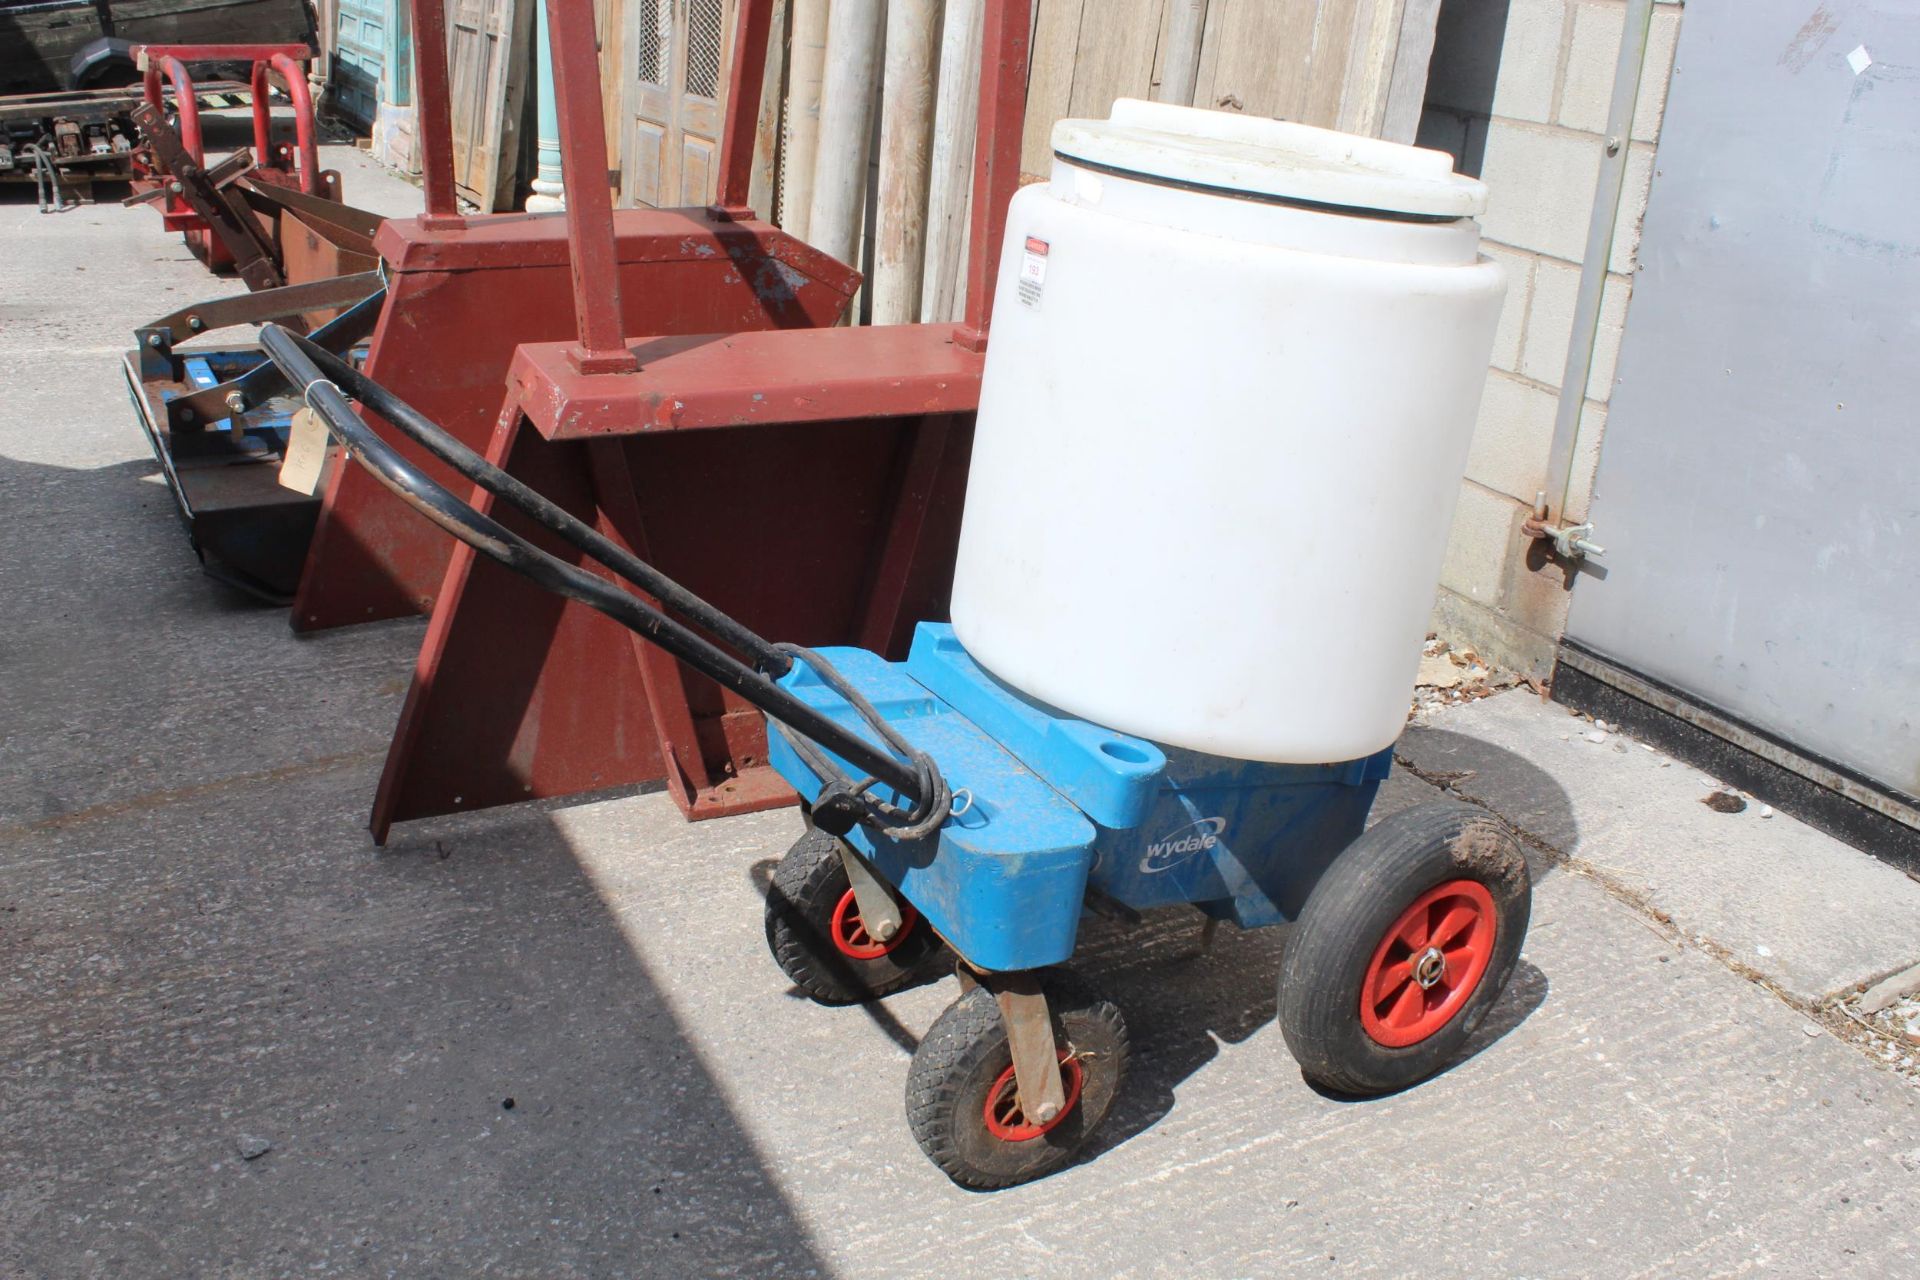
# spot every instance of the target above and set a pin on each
(916, 778)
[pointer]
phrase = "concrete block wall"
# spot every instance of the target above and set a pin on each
(1518, 91)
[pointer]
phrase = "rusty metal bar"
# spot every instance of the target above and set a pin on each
(340, 225)
(1003, 112)
(268, 304)
(228, 219)
(223, 52)
(743, 109)
(583, 164)
(1036, 1056)
(434, 129)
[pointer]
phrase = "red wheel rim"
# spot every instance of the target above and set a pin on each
(850, 936)
(1429, 963)
(1007, 1122)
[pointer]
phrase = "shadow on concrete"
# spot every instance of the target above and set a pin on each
(1182, 1005)
(460, 1063)
(1525, 796)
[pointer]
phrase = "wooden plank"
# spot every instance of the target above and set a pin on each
(487, 43)
(610, 22)
(1406, 89)
(1178, 39)
(1117, 40)
(1261, 56)
(1050, 73)
(1327, 67)
(768, 132)
(1370, 60)
(956, 118)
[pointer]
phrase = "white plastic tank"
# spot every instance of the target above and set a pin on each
(1234, 370)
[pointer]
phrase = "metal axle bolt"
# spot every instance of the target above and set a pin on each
(1045, 1113)
(236, 401)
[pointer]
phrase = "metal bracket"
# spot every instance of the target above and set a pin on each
(226, 216)
(263, 380)
(267, 304)
(340, 225)
(1572, 541)
(1036, 1055)
(879, 911)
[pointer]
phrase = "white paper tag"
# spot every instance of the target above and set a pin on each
(306, 452)
(1033, 270)
(1859, 59)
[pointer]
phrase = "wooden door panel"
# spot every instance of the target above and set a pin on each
(486, 85)
(697, 159)
(675, 92)
(647, 155)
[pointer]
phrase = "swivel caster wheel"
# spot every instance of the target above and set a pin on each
(1403, 948)
(965, 1111)
(818, 938)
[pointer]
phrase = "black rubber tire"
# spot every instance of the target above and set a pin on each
(964, 1054)
(807, 885)
(1361, 896)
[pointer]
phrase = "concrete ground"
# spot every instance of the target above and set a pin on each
(550, 1042)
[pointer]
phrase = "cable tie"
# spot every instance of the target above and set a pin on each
(307, 396)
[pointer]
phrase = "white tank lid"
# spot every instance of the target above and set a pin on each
(1250, 155)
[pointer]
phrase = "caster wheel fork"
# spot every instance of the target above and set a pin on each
(965, 1102)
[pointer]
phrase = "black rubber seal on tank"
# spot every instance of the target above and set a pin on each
(1259, 197)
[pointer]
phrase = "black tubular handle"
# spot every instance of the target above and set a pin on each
(302, 362)
(430, 436)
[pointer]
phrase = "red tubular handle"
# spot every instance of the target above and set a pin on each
(306, 150)
(188, 105)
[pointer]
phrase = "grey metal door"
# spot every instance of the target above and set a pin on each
(1759, 482)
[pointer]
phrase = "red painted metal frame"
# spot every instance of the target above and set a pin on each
(170, 61)
(433, 107)
(460, 301)
(744, 379)
(306, 149)
(806, 479)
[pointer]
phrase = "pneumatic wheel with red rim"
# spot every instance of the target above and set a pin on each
(817, 937)
(963, 1107)
(1403, 947)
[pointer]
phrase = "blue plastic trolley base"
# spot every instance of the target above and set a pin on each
(1048, 807)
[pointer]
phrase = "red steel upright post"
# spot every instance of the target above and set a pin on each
(583, 164)
(434, 103)
(1003, 108)
(186, 102)
(743, 109)
(306, 149)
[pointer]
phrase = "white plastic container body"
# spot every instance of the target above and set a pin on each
(1218, 449)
